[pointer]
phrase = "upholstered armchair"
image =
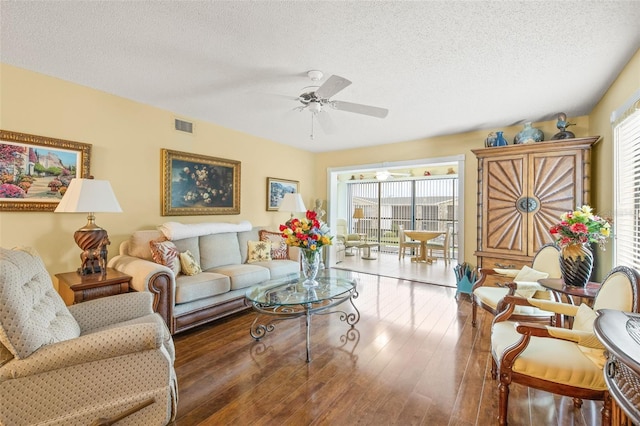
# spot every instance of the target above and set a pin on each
(93, 363)
(522, 281)
(350, 241)
(563, 361)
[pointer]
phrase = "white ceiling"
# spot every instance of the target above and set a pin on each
(439, 67)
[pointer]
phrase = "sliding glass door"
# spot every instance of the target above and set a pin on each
(378, 208)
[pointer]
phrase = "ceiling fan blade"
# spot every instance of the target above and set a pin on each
(360, 109)
(325, 121)
(333, 85)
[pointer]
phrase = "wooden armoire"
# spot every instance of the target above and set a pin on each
(522, 191)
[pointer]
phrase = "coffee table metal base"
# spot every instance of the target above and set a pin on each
(281, 313)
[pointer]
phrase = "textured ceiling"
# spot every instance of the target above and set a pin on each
(439, 67)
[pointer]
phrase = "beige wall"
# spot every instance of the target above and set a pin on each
(127, 137)
(625, 85)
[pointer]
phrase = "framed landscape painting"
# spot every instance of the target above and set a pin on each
(194, 184)
(276, 188)
(35, 171)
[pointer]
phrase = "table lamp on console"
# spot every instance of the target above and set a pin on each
(90, 196)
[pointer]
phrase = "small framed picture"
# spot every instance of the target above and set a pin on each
(276, 188)
(194, 184)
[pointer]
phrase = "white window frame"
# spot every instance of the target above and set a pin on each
(626, 221)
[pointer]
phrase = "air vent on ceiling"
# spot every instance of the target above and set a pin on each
(184, 126)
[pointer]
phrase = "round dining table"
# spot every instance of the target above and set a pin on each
(423, 237)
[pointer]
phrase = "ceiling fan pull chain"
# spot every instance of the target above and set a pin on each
(311, 126)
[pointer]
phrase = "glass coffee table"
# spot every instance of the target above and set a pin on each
(288, 298)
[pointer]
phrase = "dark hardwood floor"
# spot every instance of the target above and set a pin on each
(413, 358)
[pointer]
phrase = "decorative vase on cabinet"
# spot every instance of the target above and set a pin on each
(500, 140)
(528, 134)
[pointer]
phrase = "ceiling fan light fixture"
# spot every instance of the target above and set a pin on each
(314, 106)
(383, 175)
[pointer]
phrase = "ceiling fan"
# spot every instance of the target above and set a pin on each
(316, 100)
(386, 174)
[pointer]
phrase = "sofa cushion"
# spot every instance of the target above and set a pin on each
(279, 247)
(166, 253)
(201, 286)
(139, 243)
(280, 268)
(189, 244)
(189, 264)
(259, 251)
(219, 250)
(243, 275)
(32, 313)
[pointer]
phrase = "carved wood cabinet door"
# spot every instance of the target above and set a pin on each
(523, 190)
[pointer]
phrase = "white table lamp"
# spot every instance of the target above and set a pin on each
(292, 203)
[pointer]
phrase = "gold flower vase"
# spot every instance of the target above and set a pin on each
(576, 264)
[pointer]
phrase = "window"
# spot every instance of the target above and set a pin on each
(626, 220)
(427, 204)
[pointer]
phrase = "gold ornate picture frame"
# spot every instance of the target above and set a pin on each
(35, 171)
(194, 184)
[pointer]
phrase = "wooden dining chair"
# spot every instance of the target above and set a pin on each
(404, 242)
(441, 243)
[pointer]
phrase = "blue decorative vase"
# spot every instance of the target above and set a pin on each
(528, 134)
(500, 140)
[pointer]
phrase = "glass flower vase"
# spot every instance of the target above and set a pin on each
(310, 266)
(576, 264)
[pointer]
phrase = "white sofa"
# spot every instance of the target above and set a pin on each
(187, 301)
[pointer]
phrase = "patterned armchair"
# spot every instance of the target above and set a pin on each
(91, 363)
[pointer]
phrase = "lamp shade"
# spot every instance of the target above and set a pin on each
(88, 196)
(358, 213)
(292, 203)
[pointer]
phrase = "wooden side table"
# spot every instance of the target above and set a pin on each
(557, 285)
(76, 288)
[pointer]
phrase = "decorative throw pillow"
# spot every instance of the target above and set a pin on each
(279, 247)
(189, 264)
(527, 274)
(584, 318)
(527, 280)
(259, 251)
(166, 253)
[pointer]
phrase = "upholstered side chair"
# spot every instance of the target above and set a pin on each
(562, 361)
(524, 282)
(94, 363)
(349, 240)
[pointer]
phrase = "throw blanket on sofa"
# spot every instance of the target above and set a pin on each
(178, 231)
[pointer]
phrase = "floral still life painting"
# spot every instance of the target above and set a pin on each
(195, 184)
